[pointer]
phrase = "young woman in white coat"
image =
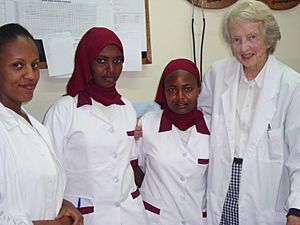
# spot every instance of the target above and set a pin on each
(92, 128)
(253, 101)
(174, 150)
(32, 180)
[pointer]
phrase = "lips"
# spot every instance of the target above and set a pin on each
(181, 105)
(109, 79)
(28, 86)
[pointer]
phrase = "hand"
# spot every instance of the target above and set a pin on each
(138, 132)
(68, 209)
(293, 220)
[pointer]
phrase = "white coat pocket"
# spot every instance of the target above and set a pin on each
(275, 144)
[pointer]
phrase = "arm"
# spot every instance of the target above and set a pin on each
(292, 131)
(205, 99)
(57, 120)
(11, 207)
(138, 175)
(62, 221)
(68, 210)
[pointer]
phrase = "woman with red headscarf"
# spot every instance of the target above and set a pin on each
(92, 128)
(174, 150)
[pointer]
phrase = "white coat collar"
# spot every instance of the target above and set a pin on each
(10, 120)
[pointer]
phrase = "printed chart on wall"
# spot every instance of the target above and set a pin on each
(61, 23)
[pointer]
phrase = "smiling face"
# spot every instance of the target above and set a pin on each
(248, 45)
(107, 66)
(181, 91)
(19, 72)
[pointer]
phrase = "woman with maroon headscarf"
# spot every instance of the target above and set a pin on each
(174, 150)
(92, 130)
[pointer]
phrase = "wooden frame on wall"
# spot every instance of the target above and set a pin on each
(219, 4)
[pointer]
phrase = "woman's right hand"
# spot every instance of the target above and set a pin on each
(138, 132)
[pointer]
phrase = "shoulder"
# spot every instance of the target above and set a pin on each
(128, 106)
(225, 67)
(151, 117)
(289, 77)
(63, 104)
(127, 102)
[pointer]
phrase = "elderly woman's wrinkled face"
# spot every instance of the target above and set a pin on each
(248, 44)
(107, 66)
(19, 72)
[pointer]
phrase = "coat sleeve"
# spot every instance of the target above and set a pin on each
(205, 99)
(11, 208)
(57, 120)
(292, 132)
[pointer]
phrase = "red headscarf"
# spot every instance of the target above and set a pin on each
(82, 82)
(182, 121)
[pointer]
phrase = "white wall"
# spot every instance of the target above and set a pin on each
(170, 25)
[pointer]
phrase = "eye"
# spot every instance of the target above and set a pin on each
(188, 89)
(118, 61)
(18, 66)
(35, 66)
(235, 40)
(252, 37)
(100, 60)
(171, 90)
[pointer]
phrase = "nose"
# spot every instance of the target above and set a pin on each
(244, 45)
(110, 67)
(180, 94)
(31, 73)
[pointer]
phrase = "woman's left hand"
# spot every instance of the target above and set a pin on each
(68, 209)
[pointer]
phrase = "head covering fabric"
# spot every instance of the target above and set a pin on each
(169, 118)
(82, 82)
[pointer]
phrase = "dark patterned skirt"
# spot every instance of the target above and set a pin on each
(230, 213)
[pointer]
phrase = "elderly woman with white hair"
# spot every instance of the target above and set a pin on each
(253, 103)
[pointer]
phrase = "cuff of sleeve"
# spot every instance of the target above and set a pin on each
(294, 212)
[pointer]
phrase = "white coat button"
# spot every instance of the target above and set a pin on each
(184, 154)
(182, 178)
(183, 223)
(117, 204)
(114, 155)
(116, 180)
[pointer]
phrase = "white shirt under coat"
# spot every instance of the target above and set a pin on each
(247, 96)
(96, 151)
(31, 179)
(174, 186)
(270, 178)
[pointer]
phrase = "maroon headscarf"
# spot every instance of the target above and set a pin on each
(82, 82)
(181, 121)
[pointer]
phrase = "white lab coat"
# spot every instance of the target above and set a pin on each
(31, 179)
(174, 186)
(270, 178)
(96, 154)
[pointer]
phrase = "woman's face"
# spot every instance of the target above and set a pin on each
(19, 72)
(248, 45)
(107, 66)
(181, 91)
